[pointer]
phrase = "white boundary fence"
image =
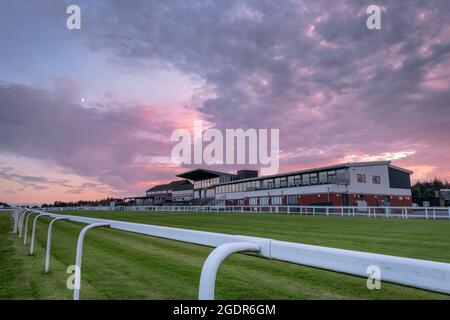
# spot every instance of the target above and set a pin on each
(433, 213)
(423, 274)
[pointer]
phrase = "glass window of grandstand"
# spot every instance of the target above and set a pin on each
(277, 182)
(313, 178)
(298, 180)
(277, 200)
(270, 184)
(265, 184)
(253, 201)
(332, 176)
(264, 200)
(361, 178)
(323, 177)
(305, 179)
(257, 184)
(292, 200)
(376, 179)
(290, 181)
(341, 175)
(283, 182)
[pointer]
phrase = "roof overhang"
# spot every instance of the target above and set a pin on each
(202, 174)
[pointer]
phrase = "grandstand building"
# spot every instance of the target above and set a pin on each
(178, 192)
(376, 183)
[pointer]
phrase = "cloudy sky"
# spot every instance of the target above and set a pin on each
(89, 113)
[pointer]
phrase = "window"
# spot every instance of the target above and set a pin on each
(341, 175)
(298, 180)
(291, 182)
(361, 178)
(305, 179)
(277, 200)
(313, 178)
(376, 179)
(323, 177)
(292, 200)
(270, 184)
(331, 176)
(258, 184)
(253, 201)
(283, 182)
(264, 200)
(277, 182)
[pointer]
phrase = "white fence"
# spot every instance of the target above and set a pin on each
(5, 211)
(428, 275)
(434, 213)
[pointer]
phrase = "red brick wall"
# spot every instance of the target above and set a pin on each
(337, 200)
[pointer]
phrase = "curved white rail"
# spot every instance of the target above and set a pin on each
(79, 255)
(213, 262)
(33, 232)
(49, 242)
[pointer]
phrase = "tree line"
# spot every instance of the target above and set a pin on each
(91, 203)
(428, 188)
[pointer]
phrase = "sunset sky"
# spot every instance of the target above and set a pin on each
(89, 113)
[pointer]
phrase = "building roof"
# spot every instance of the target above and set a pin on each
(325, 168)
(172, 186)
(202, 174)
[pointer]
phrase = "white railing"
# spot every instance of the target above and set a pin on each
(433, 213)
(424, 274)
(6, 211)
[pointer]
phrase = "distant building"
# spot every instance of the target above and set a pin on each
(173, 193)
(444, 196)
(4, 205)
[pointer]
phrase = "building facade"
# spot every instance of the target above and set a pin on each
(178, 192)
(377, 183)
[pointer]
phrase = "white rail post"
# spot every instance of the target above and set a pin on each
(33, 232)
(26, 228)
(426, 213)
(16, 221)
(449, 212)
(49, 243)
(76, 290)
(434, 214)
(212, 264)
(21, 221)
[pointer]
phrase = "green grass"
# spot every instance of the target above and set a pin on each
(120, 265)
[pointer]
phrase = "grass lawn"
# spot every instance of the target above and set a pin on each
(120, 265)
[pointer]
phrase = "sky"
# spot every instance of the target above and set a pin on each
(89, 113)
